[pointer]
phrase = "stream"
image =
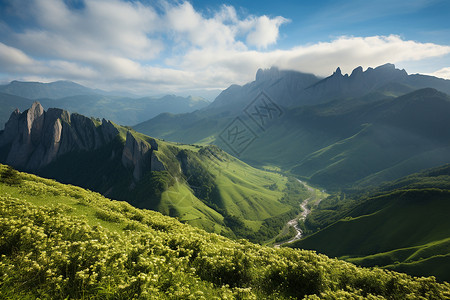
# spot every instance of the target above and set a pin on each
(302, 216)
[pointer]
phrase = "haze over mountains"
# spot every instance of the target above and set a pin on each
(118, 107)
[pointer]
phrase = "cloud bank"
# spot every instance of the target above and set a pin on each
(171, 47)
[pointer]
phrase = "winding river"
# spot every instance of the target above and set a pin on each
(301, 217)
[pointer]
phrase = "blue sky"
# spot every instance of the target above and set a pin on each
(201, 47)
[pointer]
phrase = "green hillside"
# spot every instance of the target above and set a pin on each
(60, 241)
(202, 186)
(400, 225)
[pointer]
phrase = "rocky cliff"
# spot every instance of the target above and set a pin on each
(138, 155)
(35, 138)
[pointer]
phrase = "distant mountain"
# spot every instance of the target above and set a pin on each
(52, 90)
(285, 88)
(202, 186)
(126, 111)
(9, 103)
(401, 225)
(385, 80)
(349, 129)
(380, 141)
(291, 89)
(77, 98)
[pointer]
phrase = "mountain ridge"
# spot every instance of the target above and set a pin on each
(53, 90)
(293, 88)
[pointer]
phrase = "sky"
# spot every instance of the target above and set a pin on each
(202, 47)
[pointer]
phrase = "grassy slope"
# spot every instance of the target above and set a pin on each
(60, 241)
(242, 190)
(402, 225)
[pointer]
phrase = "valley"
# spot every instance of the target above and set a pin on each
(306, 206)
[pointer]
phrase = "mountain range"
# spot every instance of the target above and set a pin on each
(122, 109)
(371, 126)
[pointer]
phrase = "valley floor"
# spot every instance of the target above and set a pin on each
(306, 206)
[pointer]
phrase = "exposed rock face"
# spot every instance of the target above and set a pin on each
(267, 74)
(139, 155)
(36, 138)
(11, 129)
(135, 155)
(108, 130)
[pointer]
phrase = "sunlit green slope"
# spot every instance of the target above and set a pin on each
(60, 241)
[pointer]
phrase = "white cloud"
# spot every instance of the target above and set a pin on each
(231, 66)
(349, 52)
(442, 73)
(11, 58)
(173, 47)
(264, 31)
(112, 27)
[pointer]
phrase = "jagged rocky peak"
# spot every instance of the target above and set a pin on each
(267, 74)
(35, 138)
(387, 66)
(338, 72)
(356, 72)
(383, 69)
